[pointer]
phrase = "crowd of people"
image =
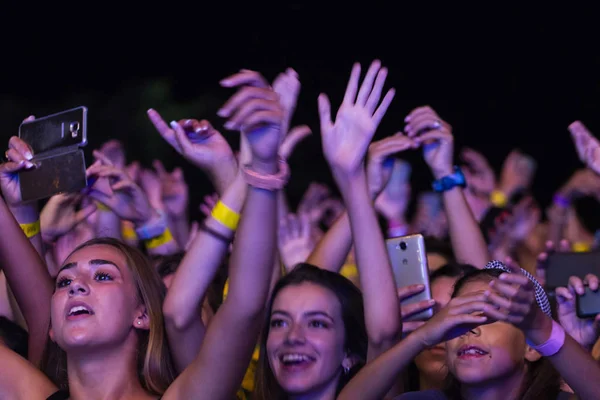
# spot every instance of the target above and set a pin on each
(114, 293)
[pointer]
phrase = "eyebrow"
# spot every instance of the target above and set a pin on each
(306, 314)
(94, 262)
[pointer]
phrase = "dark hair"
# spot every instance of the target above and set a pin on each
(351, 303)
(13, 336)
(451, 270)
(439, 246)
(542, 381)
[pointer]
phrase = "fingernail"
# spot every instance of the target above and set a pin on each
(503, 277)
(28, 155)
(174, 124)
(222, 112)
(150, 110)
(431, 302)
(28, 164)
(229, 124)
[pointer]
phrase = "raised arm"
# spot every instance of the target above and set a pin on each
(20, 256)
(426, 127)
(233, 332)
(345, 144)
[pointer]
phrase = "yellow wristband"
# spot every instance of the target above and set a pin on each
(158, 241)
(498, 198)
(102, 207)
(580, 247)
(31, 229)
(225, 215)
(128, 232)
(349, 271)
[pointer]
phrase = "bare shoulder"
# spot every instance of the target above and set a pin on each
(19, 379)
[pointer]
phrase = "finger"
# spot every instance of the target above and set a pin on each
(102, 158)
(563, 295)
(375, 95)
(205, 209)
(293, 226)
(123, 185)
(29, 119)
(512, 284)
(245, 77)
(419, 111)
(244, 95)
(423, 122)
(408, 291)
(85, 212)
(458, 302)
(592, 281)
(14, 166)
(577, 284)
(433, 135)
(385, 103)
(367, 85)
(352, 86)
(324, 113)
(21, 147)
(14, 156)
(294, 136)
(511, 305)
(248, 108)
(165, 131)
(282, 231)
(564, 246)
(261, 118)
(409, 310)
(160, 169)
(177, 174)
(396, 144)
(183, 142)
(305, 226)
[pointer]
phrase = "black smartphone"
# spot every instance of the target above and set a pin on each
(53, 174)
(56, 132)
(588, 305)
(561, 266)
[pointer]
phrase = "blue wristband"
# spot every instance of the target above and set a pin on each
(450, 181)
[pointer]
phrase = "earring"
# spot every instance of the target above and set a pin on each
(139, 322)
(346, 370)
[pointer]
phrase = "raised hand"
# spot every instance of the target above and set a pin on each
(114, 151)
(18, 156)
(460, 315)
(587, 146)
(584, 331)
(295, 240)
(346, 140)
(210, 201)
(59, 215)
(480, 177)
(174, 190)
(380, 165)
(128, 202)
(517, 172)
(152, 186)
(427, 129)
(200, 144)
(312, 201)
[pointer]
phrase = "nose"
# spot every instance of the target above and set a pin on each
(295, 334)
(475, 331)
(78, 288)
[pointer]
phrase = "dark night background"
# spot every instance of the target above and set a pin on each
(503, 76)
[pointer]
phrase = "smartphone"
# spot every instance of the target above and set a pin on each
(561, 266)
(588, 305)
(53, 174)
(409, 263)
(56, 132)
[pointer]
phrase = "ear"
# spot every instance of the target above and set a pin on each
(531, 355)
(141, 320)
(350, 361)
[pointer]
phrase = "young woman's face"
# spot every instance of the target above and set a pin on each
(95, 300)
(432, 362)
(305, 345)
(491, 352)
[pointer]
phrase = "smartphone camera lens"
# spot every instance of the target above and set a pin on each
(74, 128)
(402, 245)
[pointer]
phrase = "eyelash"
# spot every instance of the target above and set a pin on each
(277, 323)
(62, 282)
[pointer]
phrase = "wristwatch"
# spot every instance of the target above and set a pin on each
(450, 181)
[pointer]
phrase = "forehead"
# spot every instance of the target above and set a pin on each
(307, 296)
(97, 251)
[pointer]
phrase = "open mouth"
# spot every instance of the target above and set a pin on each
(78, 311)
(295, 360)
(471, 352)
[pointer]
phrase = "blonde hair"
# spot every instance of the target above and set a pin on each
(155, 367)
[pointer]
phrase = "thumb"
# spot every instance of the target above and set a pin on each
(295, 136)
(85, 212)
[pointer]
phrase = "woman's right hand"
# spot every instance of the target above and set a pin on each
(462, 314)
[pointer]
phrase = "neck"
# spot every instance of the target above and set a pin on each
(502, 388)
(106, 373)
(326, 392)
(427, 382)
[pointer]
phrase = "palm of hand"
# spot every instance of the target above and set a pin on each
(347, 140)
(9, 182)
(296, 250)
(582, 330)
(129, 204)
(211, 150)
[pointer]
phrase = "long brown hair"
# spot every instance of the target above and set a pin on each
(155, 367)
(541, 381)
(351, 302)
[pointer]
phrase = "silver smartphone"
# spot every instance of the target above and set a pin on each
(409, 263)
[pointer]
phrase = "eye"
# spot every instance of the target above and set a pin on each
(277, 323)
(63, 282)
(102, 276)
(318, 324)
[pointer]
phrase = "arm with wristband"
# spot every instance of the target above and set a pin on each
(465, 235)
(195, 273)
